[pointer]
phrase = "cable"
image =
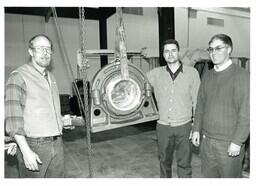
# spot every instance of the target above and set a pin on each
(83, 106)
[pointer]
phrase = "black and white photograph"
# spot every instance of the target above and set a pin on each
(126, 90)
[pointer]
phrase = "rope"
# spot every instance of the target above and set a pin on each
(83, 70)
(83, 106)
(67, 63)
(62, 45)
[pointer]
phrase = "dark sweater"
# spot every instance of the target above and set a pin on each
(222, 110)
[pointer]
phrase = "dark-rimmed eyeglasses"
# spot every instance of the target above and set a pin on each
(41, 49)
(216, 49)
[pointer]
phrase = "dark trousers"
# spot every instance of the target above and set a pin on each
(215, 160)
(169, 140)
(50, 153)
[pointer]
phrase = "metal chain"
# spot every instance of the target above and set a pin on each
(83, 106)
(83, 70)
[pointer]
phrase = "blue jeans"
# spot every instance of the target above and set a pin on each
(172, 139)
(50, 152)
(215, 160)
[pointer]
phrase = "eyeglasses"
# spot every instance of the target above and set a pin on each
(215, 49)
(41, 49)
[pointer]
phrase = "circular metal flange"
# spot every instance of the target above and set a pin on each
(123, 96)
(120, 98)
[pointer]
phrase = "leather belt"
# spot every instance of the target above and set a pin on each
(48, 138)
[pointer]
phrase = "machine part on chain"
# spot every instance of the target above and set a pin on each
(122, 102)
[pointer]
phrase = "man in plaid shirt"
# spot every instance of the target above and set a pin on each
(32, 113)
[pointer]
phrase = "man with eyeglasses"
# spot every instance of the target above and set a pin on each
(222, 113)
(32, 114)
(175, 87)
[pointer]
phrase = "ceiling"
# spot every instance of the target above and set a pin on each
(67, 12)
(73, 12)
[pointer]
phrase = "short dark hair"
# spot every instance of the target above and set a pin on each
(224, 38)
(171, 41)
(30, 42)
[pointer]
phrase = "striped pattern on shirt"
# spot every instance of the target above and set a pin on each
(15, 96)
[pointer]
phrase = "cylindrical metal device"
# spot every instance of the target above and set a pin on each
(96, 96)
(148, 89)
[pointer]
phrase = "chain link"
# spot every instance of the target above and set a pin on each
(83, 70)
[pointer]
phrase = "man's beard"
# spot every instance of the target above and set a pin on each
(44, 63)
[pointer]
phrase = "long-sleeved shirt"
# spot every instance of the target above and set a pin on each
(15, 98)
(176, 98)
(223, 105)
(32, 104)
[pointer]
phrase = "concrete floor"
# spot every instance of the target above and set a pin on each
(128, 152)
